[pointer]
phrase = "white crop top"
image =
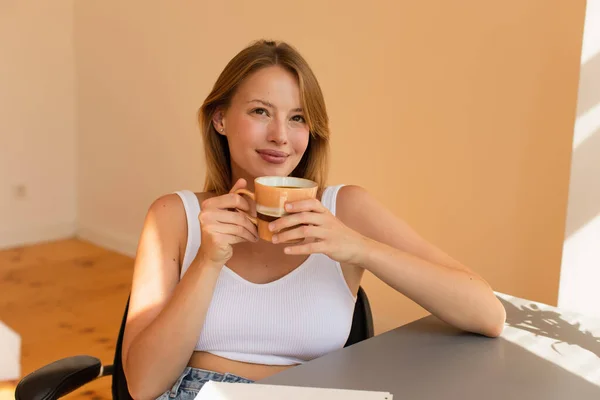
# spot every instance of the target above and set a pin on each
(301, 316)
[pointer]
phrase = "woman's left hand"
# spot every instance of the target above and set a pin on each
(331, 236)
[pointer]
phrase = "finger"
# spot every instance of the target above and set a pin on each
(290, 220)
(217, 217)
(234, 230)
(305, 205)
(308, 248)
(236, 218)
(236, 239)
(301, 232)
(227, 201)
(247, 223)
(230, 239)
(217, 201)
(229, 217)
(239, 184)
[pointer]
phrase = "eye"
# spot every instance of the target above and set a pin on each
(260, 111)
(298, 118)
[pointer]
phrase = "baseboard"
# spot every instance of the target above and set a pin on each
(36, 234)
(117, 242)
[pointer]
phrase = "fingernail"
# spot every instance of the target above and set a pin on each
(271, 227)
(288, 207)
(274, 239)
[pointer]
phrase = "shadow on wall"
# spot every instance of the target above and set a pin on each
(584, 200)
(589, 88)
(549, 324)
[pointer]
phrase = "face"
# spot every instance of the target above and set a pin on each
(265, 125)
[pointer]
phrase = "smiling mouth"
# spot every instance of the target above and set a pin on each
(272, 156)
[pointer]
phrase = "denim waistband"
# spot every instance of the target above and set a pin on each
(195, 378)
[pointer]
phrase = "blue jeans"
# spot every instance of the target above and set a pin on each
(192, 380)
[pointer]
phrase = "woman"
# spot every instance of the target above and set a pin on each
(211, 301)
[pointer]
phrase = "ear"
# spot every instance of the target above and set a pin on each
(218, 121)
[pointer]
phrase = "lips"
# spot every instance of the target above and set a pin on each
(273, 153)
(273, 156)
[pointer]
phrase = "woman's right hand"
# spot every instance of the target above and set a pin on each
(221, 227)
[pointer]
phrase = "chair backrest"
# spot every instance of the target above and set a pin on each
(362, 321)
(362, 328)
(119, 382)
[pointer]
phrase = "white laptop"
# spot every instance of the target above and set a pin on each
(252, 391)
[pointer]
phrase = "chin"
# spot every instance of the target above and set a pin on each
(273, 172)
(266, 169)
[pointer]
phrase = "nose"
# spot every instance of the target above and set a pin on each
(277, 132)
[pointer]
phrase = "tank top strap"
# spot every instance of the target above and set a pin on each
(329, 197)
(192, 209)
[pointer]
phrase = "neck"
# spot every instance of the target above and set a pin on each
(238, 173)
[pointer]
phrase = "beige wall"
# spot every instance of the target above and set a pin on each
(457, 115)
(37, 121)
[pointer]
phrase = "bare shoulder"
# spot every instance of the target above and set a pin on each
(360, 210)
(167, 210)
(167, 220)
(352, 202)
(157, 261)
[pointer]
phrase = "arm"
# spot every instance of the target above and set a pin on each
(366, 234)
(162, 308)
(397, 255)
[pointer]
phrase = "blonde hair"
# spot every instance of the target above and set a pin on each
(261, 54)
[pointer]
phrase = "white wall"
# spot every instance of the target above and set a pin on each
(37, 121)
(580, 270)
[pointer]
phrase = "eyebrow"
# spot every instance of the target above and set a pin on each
(266, 103)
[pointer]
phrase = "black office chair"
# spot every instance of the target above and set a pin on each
(63, 376)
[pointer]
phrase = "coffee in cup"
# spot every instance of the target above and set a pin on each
(271, 193)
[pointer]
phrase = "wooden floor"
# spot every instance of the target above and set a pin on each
(64, 298)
